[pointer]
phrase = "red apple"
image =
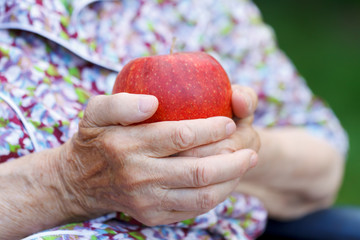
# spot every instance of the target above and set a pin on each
(188, 85)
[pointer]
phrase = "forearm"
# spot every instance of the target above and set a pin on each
(31, 195)
(296, 173)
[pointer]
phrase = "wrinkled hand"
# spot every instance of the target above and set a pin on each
(244, 102)
(112, 165)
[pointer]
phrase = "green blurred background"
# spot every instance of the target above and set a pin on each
(322, 38)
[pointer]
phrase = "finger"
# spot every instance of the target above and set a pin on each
(119, 109)
(198, 199)
(167, 138)
(245, 137)
(244, 101)
(183, 172)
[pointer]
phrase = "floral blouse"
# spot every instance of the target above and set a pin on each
(56, 54)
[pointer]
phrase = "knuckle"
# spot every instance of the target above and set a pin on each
(140, 204)
(229, 148)
(216, 134)
(106, 142)
(165, 202)
(183, 137)
(194, 152)
(207, 199)
(201, 174)
(141, 196)
(132, 185)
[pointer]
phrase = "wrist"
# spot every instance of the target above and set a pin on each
(72, 181)
(61, 184)
(32, 196)
(48, 177)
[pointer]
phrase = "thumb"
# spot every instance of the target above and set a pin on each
(119, 109)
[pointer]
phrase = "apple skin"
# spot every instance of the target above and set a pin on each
(188, 85)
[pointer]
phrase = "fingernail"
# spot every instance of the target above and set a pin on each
(253, 160)
(146, 104)
(230, 128)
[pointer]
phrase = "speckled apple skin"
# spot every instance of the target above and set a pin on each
(188, 85)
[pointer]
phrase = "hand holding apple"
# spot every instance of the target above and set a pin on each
(115, 164)
(188, 85)
(244, 102)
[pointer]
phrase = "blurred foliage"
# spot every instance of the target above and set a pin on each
(322, 38)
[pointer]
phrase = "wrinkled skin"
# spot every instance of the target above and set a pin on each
(244, 103)
(113, 165)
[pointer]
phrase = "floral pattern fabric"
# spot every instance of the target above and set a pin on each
(56, 54)
(239, 217)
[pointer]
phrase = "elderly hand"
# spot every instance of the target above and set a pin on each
(111, 165)
(244, 102)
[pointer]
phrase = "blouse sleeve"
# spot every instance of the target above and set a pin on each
(14, 139)
(286, 100)
(248, 50)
